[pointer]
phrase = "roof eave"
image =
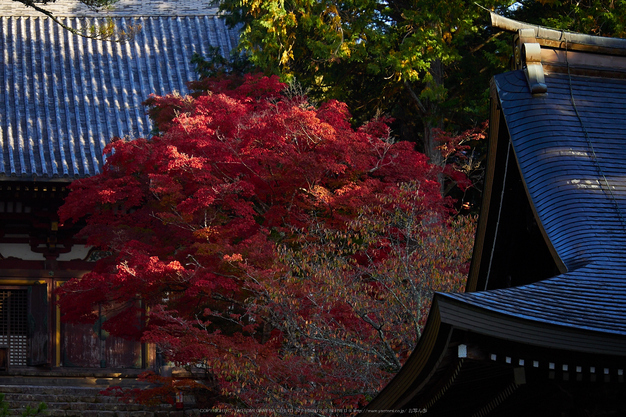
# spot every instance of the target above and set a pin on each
(473, 283)
(464, 316)
(449, 316)
(37, 179)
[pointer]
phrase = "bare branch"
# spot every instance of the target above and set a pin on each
(417, 100)
(108, 32)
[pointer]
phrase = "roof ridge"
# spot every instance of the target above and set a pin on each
(123, 8)
(137, 16)
(559, 38)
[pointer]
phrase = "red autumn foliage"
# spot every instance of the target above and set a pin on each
(463, 163)
(202, 223)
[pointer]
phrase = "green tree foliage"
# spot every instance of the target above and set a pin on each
(4, 406)
(425, 63)
(40, 410)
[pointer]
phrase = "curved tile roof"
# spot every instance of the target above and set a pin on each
(62, 97)
(573, 161)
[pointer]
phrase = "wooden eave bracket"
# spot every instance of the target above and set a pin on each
(531, 62)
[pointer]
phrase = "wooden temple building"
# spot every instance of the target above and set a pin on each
(541, 328)
(62, 98)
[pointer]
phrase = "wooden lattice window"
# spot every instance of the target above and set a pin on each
(14, 324)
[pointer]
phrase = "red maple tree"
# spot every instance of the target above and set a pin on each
(272, 245)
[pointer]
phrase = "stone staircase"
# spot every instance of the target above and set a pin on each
(80, 395)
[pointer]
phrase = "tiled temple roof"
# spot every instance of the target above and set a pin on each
(62, 97)
(573, 162)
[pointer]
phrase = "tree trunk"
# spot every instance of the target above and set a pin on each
(434, 120)
(430, 114)
(430, 143)
(431, 118)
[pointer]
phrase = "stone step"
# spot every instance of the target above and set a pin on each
(56, 391)
(56, 394)
(77, 405)
(50, 398)
(81, 413)
(89, 413)
(82, 401)
(102, 382)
